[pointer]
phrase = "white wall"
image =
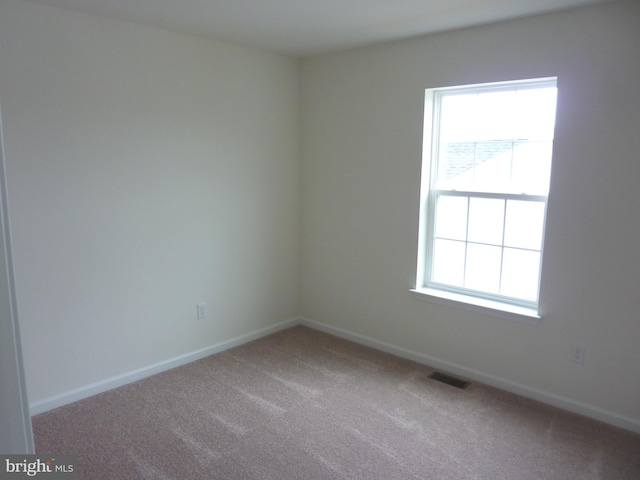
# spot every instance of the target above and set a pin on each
(361, 143)
(147, 172)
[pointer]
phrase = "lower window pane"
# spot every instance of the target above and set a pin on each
(483, 268)
(451, 217)
(486, 220)
(448, 262)
(520, 274)
(524, 224)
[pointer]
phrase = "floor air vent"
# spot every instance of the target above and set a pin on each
(449, 380)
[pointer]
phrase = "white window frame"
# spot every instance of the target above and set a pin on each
(496, 304)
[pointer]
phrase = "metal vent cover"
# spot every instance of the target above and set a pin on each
(449, 380)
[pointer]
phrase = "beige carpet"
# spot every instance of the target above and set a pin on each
(301, 404)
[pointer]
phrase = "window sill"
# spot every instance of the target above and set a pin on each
(502, 310)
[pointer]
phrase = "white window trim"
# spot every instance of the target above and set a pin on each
(527, 312)
(477, 304)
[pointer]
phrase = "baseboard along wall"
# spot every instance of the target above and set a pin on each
(71, 396)
(559, 401)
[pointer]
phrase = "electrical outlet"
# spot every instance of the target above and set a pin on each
(202, 310)
(577, 353)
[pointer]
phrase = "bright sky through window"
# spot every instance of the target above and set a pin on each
(507, 136)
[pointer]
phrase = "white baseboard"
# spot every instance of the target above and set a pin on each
(102, 386)
(559, 401)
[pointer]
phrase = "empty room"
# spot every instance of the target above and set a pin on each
(333, 240)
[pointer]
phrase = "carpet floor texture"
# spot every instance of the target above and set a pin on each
(301, 404)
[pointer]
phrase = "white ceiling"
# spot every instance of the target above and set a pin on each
(307, 27)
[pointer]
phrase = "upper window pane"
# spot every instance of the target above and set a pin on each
(536, 114)
(496, 141)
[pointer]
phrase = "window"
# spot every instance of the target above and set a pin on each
(486, 172)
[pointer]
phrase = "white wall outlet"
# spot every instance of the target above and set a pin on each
(202, 310)
(577, 353)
